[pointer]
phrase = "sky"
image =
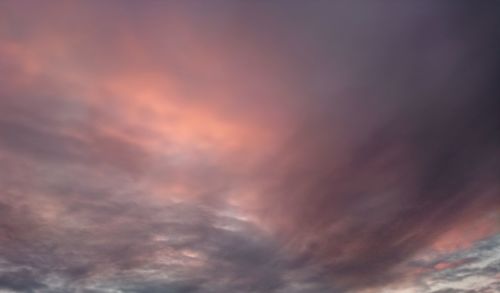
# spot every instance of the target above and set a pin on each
(249, 146)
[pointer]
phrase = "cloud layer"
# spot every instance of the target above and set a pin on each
(249, 147)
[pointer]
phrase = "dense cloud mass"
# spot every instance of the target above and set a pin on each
(230, 146)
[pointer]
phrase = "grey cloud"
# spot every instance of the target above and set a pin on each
(30, 140)
(121, 243)
(481, 262)
(454, 291)
(21, 281)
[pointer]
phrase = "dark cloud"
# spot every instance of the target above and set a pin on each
(169, 287)
(453, 291)
(22, 281)
(426, 148)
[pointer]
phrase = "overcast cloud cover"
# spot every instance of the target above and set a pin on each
(249, 146)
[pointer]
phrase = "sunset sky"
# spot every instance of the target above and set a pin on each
(209, 146)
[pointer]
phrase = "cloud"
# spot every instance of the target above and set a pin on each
(99, 244)
(474, 269)
(237, 147)
(365, 198)
(22, 281)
